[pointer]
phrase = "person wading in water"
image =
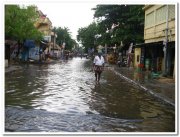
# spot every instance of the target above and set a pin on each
(98, 66)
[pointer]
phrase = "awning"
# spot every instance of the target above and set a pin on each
(159, 43)
(170, 44)
(44, 42)
(29, 44)
(10, 42)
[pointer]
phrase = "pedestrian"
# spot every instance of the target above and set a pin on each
(46, 53)
(129, 59)
(40, 54)
(98, 66)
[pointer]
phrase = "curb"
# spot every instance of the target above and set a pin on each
(144, 88)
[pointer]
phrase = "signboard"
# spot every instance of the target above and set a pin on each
(47, 38)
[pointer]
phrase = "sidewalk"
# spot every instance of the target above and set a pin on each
(12, 68)
(160, 87)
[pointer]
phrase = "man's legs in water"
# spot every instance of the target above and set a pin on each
(99, 76)
(96, 75)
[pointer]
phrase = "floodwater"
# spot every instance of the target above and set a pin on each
(64, 97)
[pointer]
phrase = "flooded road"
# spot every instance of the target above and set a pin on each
(64, 97)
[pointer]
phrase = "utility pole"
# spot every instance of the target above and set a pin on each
(54, 42)
(166, 42)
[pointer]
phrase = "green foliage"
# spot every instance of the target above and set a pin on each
(63, 35)
(130, 29)
(129, 17)
(86, 36)
(19, 23)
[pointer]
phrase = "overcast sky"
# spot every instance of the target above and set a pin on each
(71, 15)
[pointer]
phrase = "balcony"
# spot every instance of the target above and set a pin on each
(44, 21)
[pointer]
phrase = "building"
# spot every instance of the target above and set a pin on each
(54, 48)
(157, 53)
(44, 25)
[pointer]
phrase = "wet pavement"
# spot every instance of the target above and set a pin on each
(64, 97)
(161, 87)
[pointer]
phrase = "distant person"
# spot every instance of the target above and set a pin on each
(98, 66)
(130, 58)
(46, 54)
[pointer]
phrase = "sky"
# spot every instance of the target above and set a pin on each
(71, 15)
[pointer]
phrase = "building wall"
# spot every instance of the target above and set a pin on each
(43, 24)
(34, 53)
(45, 29)
(155, 23)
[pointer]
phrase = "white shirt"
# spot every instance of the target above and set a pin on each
(98, 61)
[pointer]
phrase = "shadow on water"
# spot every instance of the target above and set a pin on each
(64, 97)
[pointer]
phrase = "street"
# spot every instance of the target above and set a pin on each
(64, 97)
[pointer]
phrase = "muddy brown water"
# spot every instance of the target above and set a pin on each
(64, 97)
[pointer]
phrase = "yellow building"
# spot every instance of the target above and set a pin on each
(156, 23)
(44, 25)
(159, 34)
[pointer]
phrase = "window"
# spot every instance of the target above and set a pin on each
(161, 14)
(171, 11)
(150, 19)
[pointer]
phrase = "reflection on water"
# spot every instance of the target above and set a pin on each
(64, 97)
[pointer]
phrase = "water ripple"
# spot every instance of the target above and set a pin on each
(65, 97)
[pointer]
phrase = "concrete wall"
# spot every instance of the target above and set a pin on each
(34, 53)
(155, 23)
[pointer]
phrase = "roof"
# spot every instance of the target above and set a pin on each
(10, 42)
(159, 43)
(147, 7)
(148, 44)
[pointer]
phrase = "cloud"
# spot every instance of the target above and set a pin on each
(71, 15)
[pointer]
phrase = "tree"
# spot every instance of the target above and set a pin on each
(63, 35)
(130, 20)
(86, 36)
(19, 23)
